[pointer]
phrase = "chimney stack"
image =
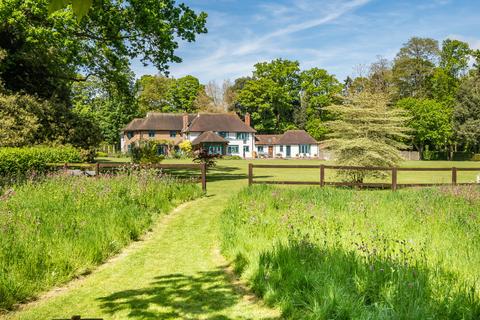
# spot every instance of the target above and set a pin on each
(185, 122)
(247, 119)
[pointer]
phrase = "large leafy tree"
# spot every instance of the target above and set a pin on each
(466, 116)
(431, 122)
(319, 89)
(414, 67)
(183, 94)
(153, 93)
(46, 54)
(366, 132)
(273, 91)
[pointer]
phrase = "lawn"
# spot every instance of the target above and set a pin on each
(60, 227)
(324, 253)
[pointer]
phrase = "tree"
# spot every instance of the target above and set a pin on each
(183, 93)
(366, 132)
(381, 76)
(45, 54)
(454, 59)
(431, 122)
(272, 95)
(466, 115)
(414, 67)
(268, 104)
(153, 93)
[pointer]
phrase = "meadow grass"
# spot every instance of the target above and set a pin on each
(62, 226)
(324, 253)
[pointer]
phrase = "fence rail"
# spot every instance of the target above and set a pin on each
(95, 168)
(394, 185)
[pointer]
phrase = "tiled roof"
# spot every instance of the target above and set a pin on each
(208, 136)
(158, 121)
(228, 122)
(265, 139)
(296, 137)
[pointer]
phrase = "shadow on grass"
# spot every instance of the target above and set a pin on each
(310, 282)
(177, 296)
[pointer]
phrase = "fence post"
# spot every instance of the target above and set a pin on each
(250, 174)
(65, 167)
(322, 175)
(454, 176)
(97, 169)
(204, 177)
(394, 178)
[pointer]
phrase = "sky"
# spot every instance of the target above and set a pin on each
(340, 36)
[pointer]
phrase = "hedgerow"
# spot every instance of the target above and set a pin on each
(15, 161)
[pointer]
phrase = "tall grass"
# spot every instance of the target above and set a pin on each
(323, 253)
(53, 230)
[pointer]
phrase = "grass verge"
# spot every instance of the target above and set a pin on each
(344, 254)
(53, 230)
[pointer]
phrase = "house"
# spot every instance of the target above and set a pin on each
(222, 133)
(291, 144)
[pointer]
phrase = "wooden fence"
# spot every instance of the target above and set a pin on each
(95, 168)
(322, 168)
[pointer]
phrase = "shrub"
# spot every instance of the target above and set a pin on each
(21, 161)
(203, 156)
(101, 154)
(186, 147)
(232, 158)
(146, 152)
(63, 226)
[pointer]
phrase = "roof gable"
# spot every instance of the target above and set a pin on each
(227, 122)
(208, 136)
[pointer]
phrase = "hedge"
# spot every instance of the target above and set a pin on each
(14, 161)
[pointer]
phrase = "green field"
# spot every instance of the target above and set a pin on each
(61, 227)
(177, 271)
(344, 254)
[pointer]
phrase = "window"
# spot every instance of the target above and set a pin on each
(129, 134)
(232, 149)
(260, 148)
(129, 148)
(173, 134)
(242, 136)
(214, 149)
(281, 148)
(246, 149)
(304, 148)
(151, 134)
(161, 149)
(223, 134)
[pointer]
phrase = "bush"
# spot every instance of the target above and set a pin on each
(146, 152)
(21, 161)
(63, 226)
(102, 154)
(186, 147)
(232, 158)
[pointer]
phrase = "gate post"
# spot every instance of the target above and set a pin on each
(204, 176)
(394, 178)
(454, 176)
(250, 174)
(322, 175)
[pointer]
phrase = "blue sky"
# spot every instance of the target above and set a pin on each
(335, 35)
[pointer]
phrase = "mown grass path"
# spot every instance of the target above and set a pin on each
(175, 273)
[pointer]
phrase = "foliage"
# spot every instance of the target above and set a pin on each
(153, 93)
(466, 115)
(183, 94)
(43, 55)
(147, 152)
(186, 147)
(366, 133)
(204, 157)
(430, 120)
(21, 161)
(414, 67)
(232, 158)
(64, 226)
(331, 253)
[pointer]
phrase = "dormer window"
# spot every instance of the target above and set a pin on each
(223, 134)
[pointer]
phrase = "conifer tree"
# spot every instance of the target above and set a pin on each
(366, 132)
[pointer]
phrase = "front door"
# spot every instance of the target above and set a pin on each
(270, 151)
(289, 152)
